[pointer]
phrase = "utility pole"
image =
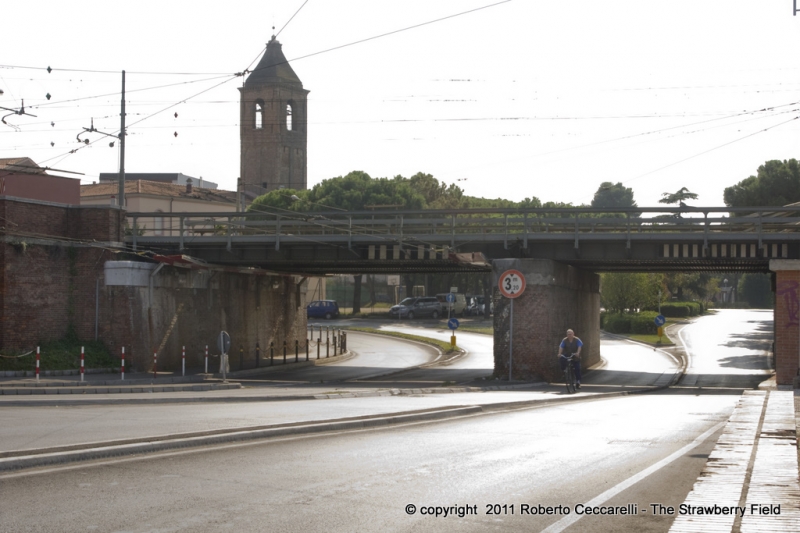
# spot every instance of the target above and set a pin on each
(122, 148)
(121, 137)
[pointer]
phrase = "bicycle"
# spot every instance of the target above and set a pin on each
(569, 374)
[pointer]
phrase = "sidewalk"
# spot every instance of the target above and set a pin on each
(752, 471)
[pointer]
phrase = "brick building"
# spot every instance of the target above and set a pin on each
(20, 177)
(273, 132)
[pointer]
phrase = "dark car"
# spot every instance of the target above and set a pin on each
(417, 307)
(323, 309)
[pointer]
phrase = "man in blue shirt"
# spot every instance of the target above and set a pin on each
(571, 345)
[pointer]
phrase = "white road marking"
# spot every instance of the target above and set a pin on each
(570, 519)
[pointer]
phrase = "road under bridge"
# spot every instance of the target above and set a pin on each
(562, 249)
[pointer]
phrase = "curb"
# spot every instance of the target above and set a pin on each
(45, 457)
(11, 461)
(119, 389)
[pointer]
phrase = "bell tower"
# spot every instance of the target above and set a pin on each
(273, 126)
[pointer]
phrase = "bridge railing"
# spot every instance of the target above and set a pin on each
(457, 225)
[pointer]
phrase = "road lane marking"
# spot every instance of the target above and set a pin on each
(570, 519)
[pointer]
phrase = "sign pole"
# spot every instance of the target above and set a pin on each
(510, 339)
(511, 284)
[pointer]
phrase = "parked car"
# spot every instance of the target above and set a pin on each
(417, 307)
(459, 304)
(323, 309)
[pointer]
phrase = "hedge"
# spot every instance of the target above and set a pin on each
(641, 323)
(617, 323)
(681, 309)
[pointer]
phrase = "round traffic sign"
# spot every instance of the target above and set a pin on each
(660, 320)
(511, 283)
(452, 324)
(450, 297)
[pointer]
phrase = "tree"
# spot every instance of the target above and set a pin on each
(613, 195)
(776, 183)
(281, 200)
(756, 290)
(677, 197)
(623, 291)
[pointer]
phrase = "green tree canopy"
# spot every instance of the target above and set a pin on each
(677, 197)
(624, 291)
(756, 290)
(613, 195)
(358, 191)
(776, 183)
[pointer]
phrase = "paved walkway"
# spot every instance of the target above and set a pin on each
(750, 482)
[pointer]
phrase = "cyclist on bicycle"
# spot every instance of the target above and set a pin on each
(571, 345)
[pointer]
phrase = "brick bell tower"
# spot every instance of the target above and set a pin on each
(273, 126)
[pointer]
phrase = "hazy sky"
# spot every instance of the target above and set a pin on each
(544, 98)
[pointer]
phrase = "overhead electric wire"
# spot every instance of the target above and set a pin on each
(711, 149)
(291, 18)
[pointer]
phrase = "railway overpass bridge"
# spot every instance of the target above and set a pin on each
(561, 250)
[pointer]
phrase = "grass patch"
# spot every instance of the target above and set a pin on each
(650, 339)
(474, 328)
(442, 345)
(62, 355)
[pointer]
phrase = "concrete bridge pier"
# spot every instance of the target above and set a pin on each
(787, 321)
(557, 297)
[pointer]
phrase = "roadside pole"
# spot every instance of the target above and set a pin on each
(511, 284)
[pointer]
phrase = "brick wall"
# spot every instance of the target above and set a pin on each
(787, 325)
(33, 219)
(53, 276)
(252, 309)
(557, 297)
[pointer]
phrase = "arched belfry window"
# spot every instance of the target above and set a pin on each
(289, 116)
(259, 114)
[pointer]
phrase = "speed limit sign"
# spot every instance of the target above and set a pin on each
(512, 283)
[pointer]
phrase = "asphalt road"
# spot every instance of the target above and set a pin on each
(641, 449)
(363, 481)
(728, 349)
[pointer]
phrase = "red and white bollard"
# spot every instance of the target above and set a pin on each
(122, 367)
(81, 363)
(37, 363)
(155, 362)
(206, 359)
(183, 361)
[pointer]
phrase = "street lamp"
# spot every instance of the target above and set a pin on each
(725, 290)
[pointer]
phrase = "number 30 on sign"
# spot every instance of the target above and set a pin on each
(511, 283)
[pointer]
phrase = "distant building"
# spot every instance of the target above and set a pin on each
(273, 120)
(142, 196)
(20, 177)
(164, 177)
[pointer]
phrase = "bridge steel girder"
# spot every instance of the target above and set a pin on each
(731, 239)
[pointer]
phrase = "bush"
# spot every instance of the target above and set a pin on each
(644, 323)
(618, 323)
(64, 354)
(676, 310)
